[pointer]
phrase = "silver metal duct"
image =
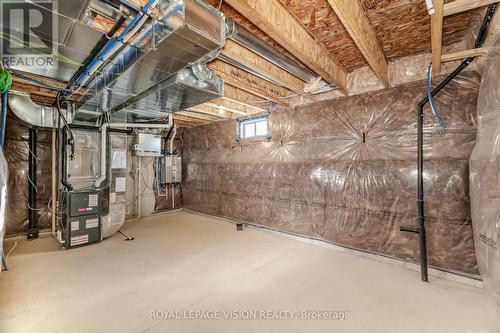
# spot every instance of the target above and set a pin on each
(189, 87)
(185, 32)
(34, 114)
(244, 37)
(72, 39)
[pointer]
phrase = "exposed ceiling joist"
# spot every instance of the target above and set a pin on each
(277, 22)
(237, 94)
(238, 105)
(464, 54)
(186, 119)
(357, 24)
(214, 110)
(459, 6)
(198, 115)
(437, 36)
(250, 83)
(262, 66)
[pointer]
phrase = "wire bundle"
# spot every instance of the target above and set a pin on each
(5, 80)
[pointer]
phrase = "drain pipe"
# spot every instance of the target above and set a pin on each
(32, 217)
(420, 143)
(104, 131)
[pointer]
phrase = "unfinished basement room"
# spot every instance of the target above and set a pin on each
(250, 166)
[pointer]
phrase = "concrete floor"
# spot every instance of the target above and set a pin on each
(182, 262)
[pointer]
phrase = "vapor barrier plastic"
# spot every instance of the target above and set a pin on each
(485, 177)
(3, 196)
(16, 152)
(345, 171)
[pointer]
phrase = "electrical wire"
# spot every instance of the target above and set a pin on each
(71, 139)
(5, 80)
(10, 251)
(431, 100)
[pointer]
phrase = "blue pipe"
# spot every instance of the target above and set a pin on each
(4, 118)
(431, 101)
(114, 41)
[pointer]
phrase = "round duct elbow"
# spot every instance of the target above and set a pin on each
(34, 115)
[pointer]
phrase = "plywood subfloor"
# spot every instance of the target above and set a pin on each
(183, 261)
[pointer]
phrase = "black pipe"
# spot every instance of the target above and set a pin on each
(102, 42)
(32, 217)
(420, 143)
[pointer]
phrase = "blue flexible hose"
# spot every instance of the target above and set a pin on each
(429, 95)
(41, 83)
(113, 42)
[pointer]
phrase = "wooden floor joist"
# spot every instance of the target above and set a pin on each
(238, 106)
(250, 83)
(213, 110)
(437, 36)
(238, 94)
(262, 66)
(275, 20)
(357, 24)
(459, 6)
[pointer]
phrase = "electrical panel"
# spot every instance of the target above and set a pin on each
(81, 221)
(173, 169)
(147, 145)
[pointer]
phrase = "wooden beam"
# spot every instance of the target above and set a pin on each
(213, 111)
(237, 94)
(437, 36)
(198, 115)
(262, 66)
(234, 105)
(459, 6)
(275, 20)
(250, 83)
(464, 54)
(184, 118)
(357, 24)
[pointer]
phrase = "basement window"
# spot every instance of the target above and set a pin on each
(254, 128)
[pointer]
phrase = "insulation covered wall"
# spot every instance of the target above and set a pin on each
(317, 177)
(485, 177)
(16, 152)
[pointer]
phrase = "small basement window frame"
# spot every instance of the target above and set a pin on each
(245, 125)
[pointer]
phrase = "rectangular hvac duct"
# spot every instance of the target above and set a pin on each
(144, 77)
(180, 91)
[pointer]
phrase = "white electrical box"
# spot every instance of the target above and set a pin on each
(173, 169)
(147, 145)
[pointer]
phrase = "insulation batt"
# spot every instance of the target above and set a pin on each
(485, 177)
(316, 177)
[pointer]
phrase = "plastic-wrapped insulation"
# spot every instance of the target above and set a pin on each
(345, 171)
(485, 177)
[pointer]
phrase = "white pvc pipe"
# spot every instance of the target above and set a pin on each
(430, 7)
